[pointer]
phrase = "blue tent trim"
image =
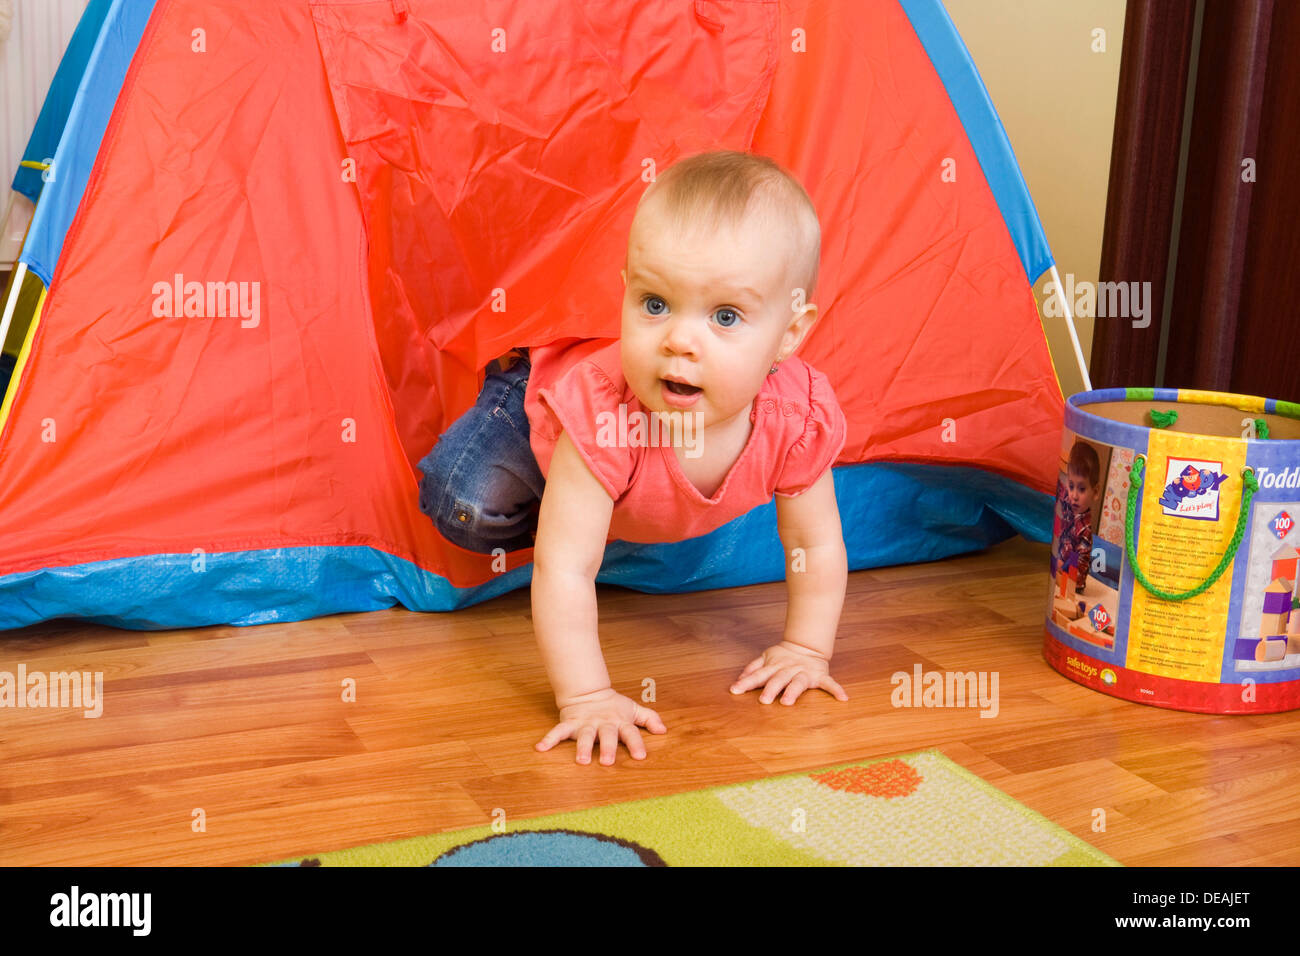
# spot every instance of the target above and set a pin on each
(891, 513)
(53, 117)
(97, 94)
(952, 62)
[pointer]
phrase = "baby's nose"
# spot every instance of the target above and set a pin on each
(679, 337)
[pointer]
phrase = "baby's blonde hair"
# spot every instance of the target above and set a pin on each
(722, 187)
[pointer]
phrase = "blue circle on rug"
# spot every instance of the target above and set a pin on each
(549, 848)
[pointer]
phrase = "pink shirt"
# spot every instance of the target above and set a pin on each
(799, 431)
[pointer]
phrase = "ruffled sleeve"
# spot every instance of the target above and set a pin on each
(584, 403)
(824, 433)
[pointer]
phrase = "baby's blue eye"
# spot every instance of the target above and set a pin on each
(649, 300)
(731, 312)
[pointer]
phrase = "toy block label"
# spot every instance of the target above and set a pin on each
(1281, 524)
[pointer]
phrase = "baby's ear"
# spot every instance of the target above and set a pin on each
(805, 318)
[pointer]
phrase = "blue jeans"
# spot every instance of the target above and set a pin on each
(481, 483)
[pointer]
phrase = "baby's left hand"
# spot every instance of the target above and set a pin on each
(788, 666)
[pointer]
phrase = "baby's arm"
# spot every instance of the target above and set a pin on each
(571, 531)
(817, 570)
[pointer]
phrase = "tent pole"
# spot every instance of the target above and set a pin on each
(1074, 336)
(12, 302)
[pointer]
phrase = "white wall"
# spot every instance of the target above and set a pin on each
(1056, 97)
(41, 31)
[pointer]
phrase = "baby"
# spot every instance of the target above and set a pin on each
(696, 415)
(1076, 501)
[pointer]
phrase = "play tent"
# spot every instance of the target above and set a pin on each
(287, 237)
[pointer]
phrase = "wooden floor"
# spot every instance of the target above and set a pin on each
(249, 725)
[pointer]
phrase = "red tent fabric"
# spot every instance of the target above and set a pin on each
(412, 189)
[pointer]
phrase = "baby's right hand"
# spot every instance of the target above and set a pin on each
(609, 714)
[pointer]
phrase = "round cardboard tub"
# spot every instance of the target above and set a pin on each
(1164, 589)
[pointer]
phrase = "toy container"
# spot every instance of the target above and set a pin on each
(1175, 555)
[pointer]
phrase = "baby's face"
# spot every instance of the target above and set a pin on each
(1081, 493)
(712, 311)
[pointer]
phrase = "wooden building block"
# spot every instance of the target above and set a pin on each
(1083, 628)
(1271, 650)
(1066, 607)
(1271, 624)
(1285, 564)
(1277, 597)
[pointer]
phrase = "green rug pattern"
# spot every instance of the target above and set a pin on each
(921, 809)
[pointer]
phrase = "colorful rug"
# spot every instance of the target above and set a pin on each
(916, 810)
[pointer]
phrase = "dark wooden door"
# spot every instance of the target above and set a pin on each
(1204, 199)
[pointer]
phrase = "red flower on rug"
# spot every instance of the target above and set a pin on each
(892, 778)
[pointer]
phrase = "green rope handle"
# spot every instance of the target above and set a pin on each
(1135, 485)
(1261, 428)
(1161, 419)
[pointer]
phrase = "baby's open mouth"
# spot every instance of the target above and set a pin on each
(677, 388)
